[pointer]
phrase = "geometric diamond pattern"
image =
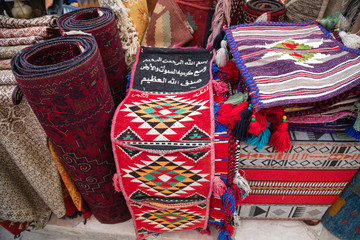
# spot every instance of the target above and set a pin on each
(195, 156)
(163, 116)
(130, 152)
(165, 176)
(128, 134)
(195, 134)
(170, 219)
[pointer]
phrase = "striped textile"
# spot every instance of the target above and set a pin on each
(286, 63)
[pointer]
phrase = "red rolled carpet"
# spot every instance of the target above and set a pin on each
(101, 23)
(65, 84)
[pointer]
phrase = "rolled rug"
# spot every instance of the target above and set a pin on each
(65, 84)
(255, 8)
(101, 23)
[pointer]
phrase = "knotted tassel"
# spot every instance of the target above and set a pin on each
(220, 87)
(116, 182)
(224, 234)
(222, 55)
(204, 231)
(228, 201)
(257, 124)
(261, 140)
(236, 111)
(242, 183)
(237, 98)
(232, 72)
(219, 187)
(224, 115)
(240, 131)
(350, 40)
(280, 138)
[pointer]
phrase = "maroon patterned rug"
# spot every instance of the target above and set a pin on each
(65, 84)
(101, 23)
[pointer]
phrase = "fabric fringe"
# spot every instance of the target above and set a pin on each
(129, 37)
(221, 15)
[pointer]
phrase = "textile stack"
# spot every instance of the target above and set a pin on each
(299, 78)
(31, 188)
(229, 113)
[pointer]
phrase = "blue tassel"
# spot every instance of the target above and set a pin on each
(224, 235)
(263, 138)
(228, 201)
(353, 133)
(261, 141)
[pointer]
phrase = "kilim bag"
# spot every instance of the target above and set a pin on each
(65, 83)
(163, 140)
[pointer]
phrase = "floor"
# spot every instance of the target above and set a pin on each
(74, 229)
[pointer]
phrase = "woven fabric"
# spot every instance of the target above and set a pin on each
(43, 31)
(7, 78)
(237, 12)
(163, 142)
(101, 23)
(255, 8)
(199, 18)
(9, 52)
(30, 186)
(47, 20)
(72, 190)
(311, 174)
(315, 10)
(167, 27)
(139, 15)
(292, 63)
(5, 64)
(65, 83)
(88, 3)
(20, 41)
(128, 34)
(342, 218)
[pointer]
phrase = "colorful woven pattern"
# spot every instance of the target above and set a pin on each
(342, 218)
(163, 140)
(101, 23)
(292, 63)
(65, 84)
(301, 183)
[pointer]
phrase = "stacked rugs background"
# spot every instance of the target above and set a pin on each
(31, 188)
(301, 79)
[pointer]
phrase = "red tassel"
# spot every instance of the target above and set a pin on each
(219, 187)
(257, 124)
(204, 231)
(232, 72)
(116, 182)
(224, 115)
(280, 138)
(220, 87)
(231, 229)
(237, 194)
(235, 113)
